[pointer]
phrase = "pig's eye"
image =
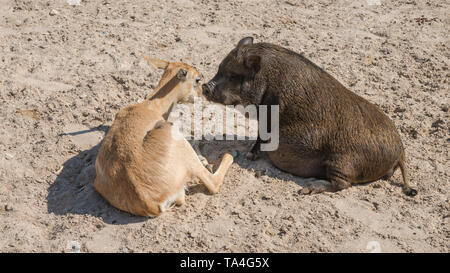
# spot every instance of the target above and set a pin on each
(235, 77)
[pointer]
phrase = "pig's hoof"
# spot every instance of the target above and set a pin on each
(317, 187)
(410, 192)
(251, 156)
(309, 190)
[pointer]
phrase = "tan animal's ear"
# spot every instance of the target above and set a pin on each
(157, 63)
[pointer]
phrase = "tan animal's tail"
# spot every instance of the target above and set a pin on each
(406, 188)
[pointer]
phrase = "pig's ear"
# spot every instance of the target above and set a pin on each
(245, 41)
(157, 63)
(253, 62)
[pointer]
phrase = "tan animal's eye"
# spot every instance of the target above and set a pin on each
(197, 80)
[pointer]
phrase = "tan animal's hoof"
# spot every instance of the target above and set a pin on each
(181, 200)
(210, 167)
(203, 160)
(227, 159)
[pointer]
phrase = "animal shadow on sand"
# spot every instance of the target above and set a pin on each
(73, 192)
(213, 151)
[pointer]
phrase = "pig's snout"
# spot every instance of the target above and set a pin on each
(208, 88)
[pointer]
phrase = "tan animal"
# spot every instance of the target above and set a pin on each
(144, 162)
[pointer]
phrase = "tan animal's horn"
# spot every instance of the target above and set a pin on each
(157, 63)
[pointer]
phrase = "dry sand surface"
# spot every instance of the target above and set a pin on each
(66, 70)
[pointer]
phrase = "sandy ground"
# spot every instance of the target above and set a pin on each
(66, 70)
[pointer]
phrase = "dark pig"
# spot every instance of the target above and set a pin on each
(325, 130)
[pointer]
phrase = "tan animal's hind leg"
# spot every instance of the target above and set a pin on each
(214, 181)
(196, 168)
(196, 146)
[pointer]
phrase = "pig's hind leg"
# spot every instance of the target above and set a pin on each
(338, 176)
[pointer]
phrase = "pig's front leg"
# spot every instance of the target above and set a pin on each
(254, 153)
